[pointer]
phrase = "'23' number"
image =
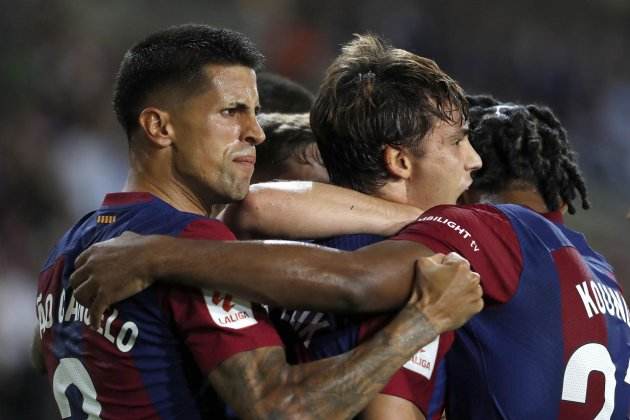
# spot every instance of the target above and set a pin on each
(583, 361)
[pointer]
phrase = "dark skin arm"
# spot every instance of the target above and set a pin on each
(290, 275)
(260, 385)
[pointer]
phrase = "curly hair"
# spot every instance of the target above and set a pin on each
(524, 143)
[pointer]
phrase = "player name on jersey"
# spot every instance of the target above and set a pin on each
(124, 338)
(601, 299)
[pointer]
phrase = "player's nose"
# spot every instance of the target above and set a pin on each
(473, 161)
(253, 132)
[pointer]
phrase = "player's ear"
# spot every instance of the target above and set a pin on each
(397, 162)
(310, 155)
(156, 125)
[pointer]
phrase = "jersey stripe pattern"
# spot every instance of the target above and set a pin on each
(553, 341)
(315, 335)
(152, 355)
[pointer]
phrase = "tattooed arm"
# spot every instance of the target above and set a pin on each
(259, 383)
(301, 209)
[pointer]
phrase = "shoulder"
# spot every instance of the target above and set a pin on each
(482, 234)
(205, 228)
(460, 222)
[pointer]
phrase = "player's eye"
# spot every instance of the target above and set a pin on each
(229, 112)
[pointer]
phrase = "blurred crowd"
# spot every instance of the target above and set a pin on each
(61, 148)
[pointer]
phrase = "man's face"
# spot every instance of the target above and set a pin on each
(215, 134)
(443, 169)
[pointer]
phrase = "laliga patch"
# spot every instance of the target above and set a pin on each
(229, 312)
(423, 362)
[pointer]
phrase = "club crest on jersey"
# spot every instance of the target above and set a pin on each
(423, 361)
(229, 312)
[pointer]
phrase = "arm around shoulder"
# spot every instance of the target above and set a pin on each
(300, 209)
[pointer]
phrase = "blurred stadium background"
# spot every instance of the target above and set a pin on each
(61, 148)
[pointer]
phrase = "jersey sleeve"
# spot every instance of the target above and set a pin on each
(422, 380)
(483, 235)
(216, 325)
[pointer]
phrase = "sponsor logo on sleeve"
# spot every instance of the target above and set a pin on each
(423, 361)
(229, 312)
(460, 230)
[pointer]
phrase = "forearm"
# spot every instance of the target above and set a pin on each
(346, 384)
(260, 385)
(282, 273)
(278, 209)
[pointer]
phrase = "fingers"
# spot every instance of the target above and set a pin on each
(80, 261)
(475, 280)
(425, 264)
(80, 274)
(86, 291)
(455, 258)
(97, 309)
(89, 295)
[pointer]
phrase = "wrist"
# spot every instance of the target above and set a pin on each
(434, 317)
(413, 324)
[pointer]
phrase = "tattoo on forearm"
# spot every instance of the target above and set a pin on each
(259, 384)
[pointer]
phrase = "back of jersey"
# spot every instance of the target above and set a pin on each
(136, 365)
(553, 340)
(558, 348)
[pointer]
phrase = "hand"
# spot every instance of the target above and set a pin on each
(110, 271)
(449, 292)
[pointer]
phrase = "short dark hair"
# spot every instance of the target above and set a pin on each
(286, 134)
(375, 95)
(524, 143)
(175, 57)
(279, 94)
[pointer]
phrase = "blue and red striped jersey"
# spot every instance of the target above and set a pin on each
(315, 335)
(553, 341)
(151, 357)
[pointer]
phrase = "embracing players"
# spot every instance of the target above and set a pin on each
(187, 99)
(554, 339)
